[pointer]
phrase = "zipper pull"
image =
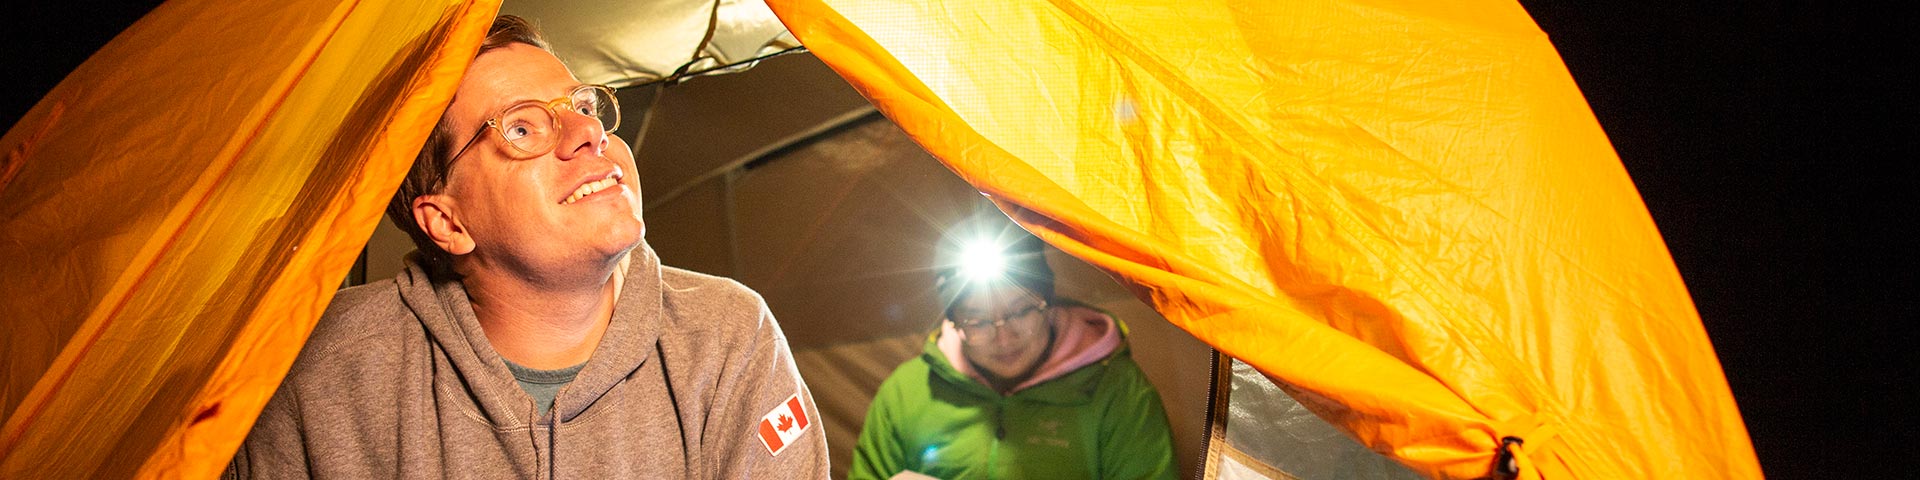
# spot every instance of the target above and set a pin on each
(1000, 421)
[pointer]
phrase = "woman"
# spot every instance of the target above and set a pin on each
(1016, 383)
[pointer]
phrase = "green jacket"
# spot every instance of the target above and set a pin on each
(1102, 420)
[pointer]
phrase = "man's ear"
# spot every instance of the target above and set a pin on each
(434, 215)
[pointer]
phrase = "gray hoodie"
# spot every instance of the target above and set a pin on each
(398, 381)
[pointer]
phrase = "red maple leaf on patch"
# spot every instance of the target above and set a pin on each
(786, 422)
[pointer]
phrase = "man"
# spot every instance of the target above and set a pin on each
(534, 334)
(1016, 383)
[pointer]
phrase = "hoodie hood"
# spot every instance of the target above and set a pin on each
(1082, 336)
(447, 316)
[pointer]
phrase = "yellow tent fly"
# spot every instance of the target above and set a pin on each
(182, 207)
(1402, 214)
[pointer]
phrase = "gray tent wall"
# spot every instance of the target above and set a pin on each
(784, 178)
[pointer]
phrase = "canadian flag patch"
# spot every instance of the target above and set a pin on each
(784, 424)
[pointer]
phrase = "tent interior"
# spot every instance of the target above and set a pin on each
(773, 171)
(784, 178)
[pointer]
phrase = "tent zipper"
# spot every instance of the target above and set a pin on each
(1218, 391)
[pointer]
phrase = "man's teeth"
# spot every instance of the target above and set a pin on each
(590, 188)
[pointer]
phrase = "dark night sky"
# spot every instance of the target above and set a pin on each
(1766, 140)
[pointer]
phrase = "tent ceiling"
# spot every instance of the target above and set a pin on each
(626, 43)
(709, 125)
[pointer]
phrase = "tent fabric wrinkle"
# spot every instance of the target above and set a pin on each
(179, 246)
(1402, 214)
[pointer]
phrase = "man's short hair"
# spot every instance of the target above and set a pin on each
(430, 166)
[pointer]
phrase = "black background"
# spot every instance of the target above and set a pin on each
(1772, 142)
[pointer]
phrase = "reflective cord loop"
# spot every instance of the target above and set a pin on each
(1533, 436)
(1506, 464)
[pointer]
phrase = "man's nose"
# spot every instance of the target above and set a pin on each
(579, 135)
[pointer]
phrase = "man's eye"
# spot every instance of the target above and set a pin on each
(517, 131)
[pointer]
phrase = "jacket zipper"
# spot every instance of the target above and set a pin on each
(999, 436)
(1000, 422)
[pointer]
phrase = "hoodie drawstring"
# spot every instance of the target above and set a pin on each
(533, 439)
(553, 441)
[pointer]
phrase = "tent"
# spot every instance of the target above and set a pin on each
(1435, 251)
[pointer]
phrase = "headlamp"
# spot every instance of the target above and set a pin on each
(987, 251)
(982, 260)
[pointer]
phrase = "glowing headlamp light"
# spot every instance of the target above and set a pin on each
(982, 260)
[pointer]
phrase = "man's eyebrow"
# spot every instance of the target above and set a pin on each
(535, 99)
(569, 91)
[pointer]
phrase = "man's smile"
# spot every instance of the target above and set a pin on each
(590, 187)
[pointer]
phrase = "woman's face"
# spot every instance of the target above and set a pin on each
(1004, 330)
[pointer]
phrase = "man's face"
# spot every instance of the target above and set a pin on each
(516, 210)
(1011, 350)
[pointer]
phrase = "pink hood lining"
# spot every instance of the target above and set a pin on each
(1081, 336)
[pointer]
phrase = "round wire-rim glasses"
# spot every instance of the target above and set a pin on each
(532, 128)
(1022, 320)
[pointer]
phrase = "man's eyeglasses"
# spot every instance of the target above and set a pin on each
(1022, 320)
(532, 128)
